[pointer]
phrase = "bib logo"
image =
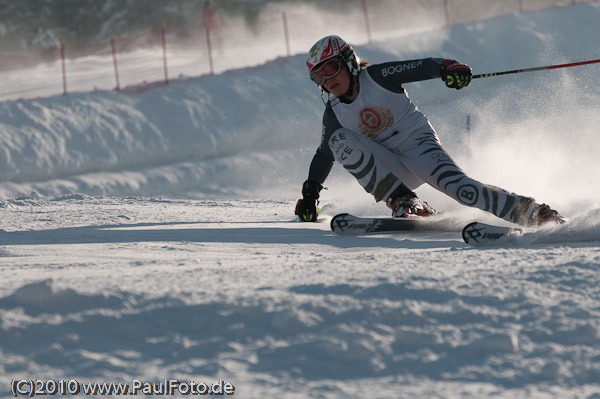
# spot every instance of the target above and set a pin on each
(374, 120)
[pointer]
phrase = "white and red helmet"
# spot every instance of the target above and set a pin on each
(330, 47)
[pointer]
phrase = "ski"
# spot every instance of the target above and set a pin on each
(481, 234)
(476, 234)
(346, 224)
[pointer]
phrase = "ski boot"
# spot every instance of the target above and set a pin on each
(409, 205)
(530, 214)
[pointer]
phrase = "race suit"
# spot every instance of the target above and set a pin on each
(383, 140)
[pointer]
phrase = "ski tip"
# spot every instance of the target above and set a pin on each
(335, 219)
(470, 233)
(480, 234)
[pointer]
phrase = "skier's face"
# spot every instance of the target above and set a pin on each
(339, 84)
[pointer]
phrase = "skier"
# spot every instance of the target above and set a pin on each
(377, 134)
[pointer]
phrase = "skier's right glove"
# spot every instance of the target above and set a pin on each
(306, 208)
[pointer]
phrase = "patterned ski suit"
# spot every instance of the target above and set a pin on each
(383, 140)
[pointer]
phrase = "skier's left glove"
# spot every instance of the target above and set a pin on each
(456, 74)
(306, 208)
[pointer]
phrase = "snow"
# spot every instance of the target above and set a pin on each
(151, 236)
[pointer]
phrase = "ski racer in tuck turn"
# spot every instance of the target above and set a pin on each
(372, 128)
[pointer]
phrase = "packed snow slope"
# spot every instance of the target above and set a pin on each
(150, 236)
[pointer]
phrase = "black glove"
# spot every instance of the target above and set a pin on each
(456, 75)
(306, 208)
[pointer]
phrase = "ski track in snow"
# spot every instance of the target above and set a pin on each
(151, 236)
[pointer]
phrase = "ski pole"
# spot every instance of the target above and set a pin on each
(489, 75)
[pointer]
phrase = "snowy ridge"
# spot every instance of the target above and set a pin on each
(174, 138)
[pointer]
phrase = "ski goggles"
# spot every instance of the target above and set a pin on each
(327, 70)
